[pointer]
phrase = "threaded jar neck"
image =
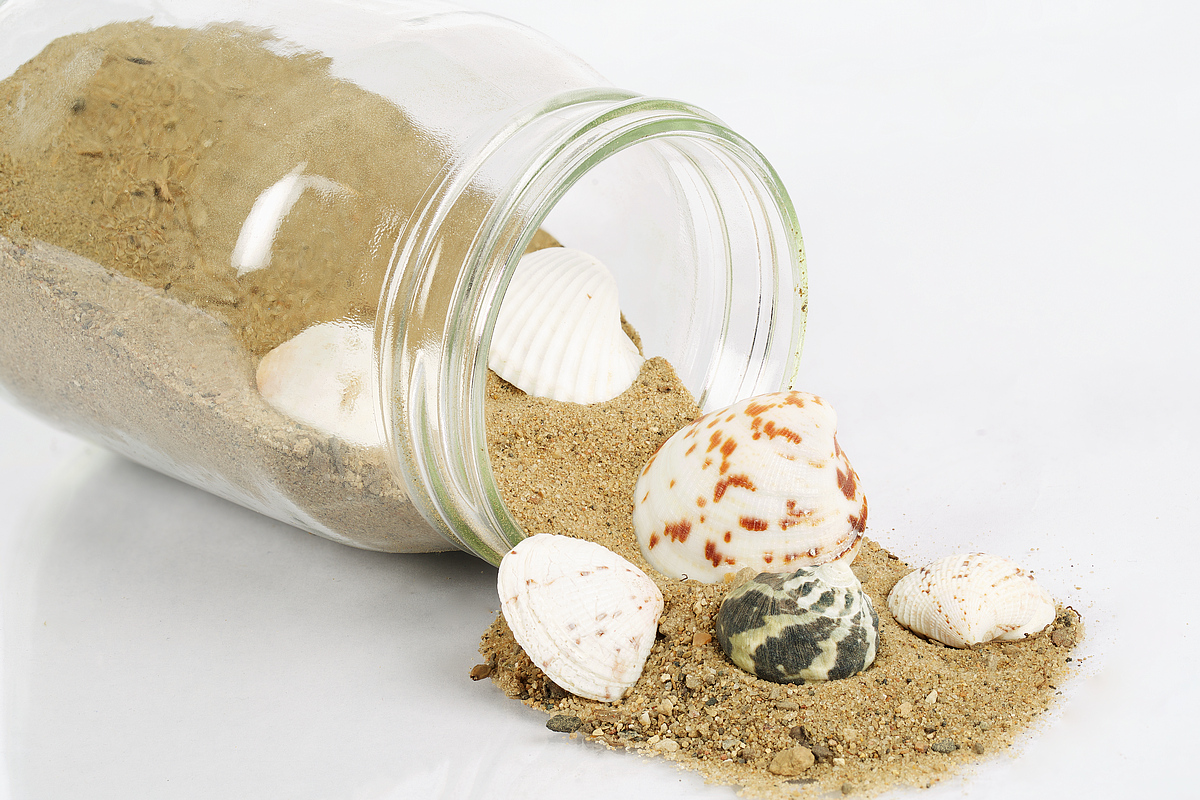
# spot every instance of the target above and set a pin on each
(691, 219)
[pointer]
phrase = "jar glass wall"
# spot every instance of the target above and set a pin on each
(226, 177)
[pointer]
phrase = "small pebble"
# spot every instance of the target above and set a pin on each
(904, 709)
(741, 576)
(667, 745)
(693, 682)
(564, 723)
(1063, 637)
(701, 638)
(944, 746)
(978, 748)
(847, 788)
(821, 752)
(480, 671)
(931, 698)
(788, 705)
(792, 761)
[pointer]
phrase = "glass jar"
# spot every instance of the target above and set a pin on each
(184, 186)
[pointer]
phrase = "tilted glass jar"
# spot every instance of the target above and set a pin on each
(184, 186)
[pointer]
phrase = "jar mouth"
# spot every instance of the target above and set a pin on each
(727, 310)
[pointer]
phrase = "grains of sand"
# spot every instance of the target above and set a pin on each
(920, 713)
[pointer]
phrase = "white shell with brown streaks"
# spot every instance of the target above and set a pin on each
(969, 598)
(558, 333)
(761, 484)
(583, 614)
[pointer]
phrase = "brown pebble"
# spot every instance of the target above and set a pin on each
(701, 638)
(792, 761)
(978, 748)
(564, 723)
(847, 788)
(735, 579)
(480, 671)
(821, 752)
(1063, 637)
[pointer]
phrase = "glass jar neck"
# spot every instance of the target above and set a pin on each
(724, 296)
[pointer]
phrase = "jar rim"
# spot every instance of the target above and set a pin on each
(547, 148)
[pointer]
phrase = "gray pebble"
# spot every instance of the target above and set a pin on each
(564, 723)
(821, 752)
(944, 746)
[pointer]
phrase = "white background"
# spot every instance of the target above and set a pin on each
(1000, 209)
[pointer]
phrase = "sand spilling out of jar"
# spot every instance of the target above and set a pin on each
(132, 176)
(920, 713)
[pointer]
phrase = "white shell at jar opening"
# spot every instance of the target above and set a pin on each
(558, 333)
(761, 484)
(582, 613)
(971, 598)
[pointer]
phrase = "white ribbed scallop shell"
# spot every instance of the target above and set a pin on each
(761, 484)
(325, 376)
(583, 614)
(969, 598)
(558, 333)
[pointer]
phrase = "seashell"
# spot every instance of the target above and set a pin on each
(558, 333)
(583, 614)
(325, 376)
(815, 624)
(969, 598)
(761, 484)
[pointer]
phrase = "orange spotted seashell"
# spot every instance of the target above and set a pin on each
(761, 484)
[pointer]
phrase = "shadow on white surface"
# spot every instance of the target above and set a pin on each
(161, 642)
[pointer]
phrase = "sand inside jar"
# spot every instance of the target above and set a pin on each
(129, 157)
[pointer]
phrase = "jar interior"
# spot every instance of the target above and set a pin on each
(707, 283)
(704, 247)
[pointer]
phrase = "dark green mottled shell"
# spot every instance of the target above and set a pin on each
(803, 626)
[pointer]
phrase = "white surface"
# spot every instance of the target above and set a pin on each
(1000, 207)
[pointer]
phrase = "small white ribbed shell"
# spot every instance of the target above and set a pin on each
(324, 376)
(558, 333)
(583, 614)
(761, 484)
(969, 598)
